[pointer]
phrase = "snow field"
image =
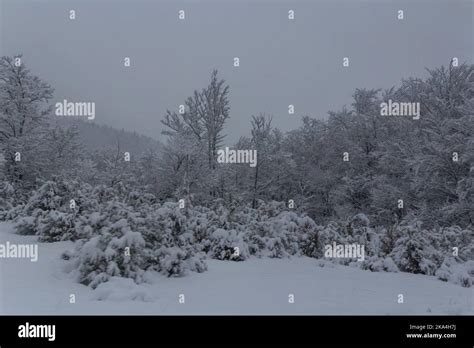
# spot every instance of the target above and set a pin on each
(255, 286)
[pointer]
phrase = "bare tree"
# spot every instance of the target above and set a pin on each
(22, 99)
(261, 129)
(205, 116)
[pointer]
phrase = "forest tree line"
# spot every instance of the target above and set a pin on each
(354, 170)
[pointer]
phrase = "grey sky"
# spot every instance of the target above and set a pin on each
(282, 62)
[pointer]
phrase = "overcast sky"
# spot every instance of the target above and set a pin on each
(282, 62)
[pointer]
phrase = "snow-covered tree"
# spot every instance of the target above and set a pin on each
(23, 116)
(413, 251)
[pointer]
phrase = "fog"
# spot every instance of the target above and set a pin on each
(282, 61)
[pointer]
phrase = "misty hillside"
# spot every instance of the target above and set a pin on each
(96, 136)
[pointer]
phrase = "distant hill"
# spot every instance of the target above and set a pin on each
(96, 136)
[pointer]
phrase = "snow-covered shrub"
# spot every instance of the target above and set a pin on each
(388, 238)
(228, 245)
(52, 209)
(275, 247)
(43, 200)
(379, 264)
(12, 214)
(53, 226)
(115, 251)
(456, 237)
(172, 246)
(389, 265)
(331, 233)
(359, 220)
(173, 261)
(199, 226)
(363, 234)
(310, 245)
(457, 273)
(279, 236)
(103, 194)
(89, 224)
(270, 209)
(413, 251)
(121, 240)
(137, 199)
(82, 221)
(171, 222)
(25, 225)
(245, 216)
(219, 215)
(85, 202)
(6, 200)
(52, 195)
(358, 231)
(164, 226)
(266, 244)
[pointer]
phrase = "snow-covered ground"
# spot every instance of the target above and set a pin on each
(257, 286)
